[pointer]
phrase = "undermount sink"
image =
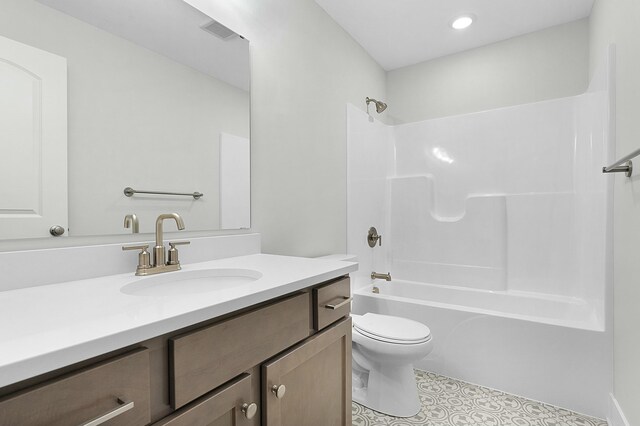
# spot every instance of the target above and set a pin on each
(191, 282)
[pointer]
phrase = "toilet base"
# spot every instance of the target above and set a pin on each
(390, 390)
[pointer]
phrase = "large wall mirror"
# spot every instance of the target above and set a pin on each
(99, 96)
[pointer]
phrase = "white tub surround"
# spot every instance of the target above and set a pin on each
(496, 231)
(55, 325)
(540, 349)
(535, 307)
(508, 199)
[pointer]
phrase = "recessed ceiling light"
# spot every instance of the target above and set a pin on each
(462, 22)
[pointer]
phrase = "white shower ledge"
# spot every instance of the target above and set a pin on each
(52, 326)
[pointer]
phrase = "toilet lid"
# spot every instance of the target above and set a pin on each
(391, 329)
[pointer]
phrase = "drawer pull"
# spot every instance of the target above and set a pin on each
(346, 301)
(278, 390)
(123, 406)
(249, 410)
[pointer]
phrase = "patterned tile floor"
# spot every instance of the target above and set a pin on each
(449, 402)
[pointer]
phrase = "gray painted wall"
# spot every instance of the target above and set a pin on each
(547, 64)
(305, 68)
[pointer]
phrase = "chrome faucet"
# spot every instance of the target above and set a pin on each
(378, 276)
(146, 266)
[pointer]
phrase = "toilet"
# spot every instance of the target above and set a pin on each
(384, 350)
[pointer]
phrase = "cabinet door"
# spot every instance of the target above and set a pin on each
(316, 379)
(230, 405)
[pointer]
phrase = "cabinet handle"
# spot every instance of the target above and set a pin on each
(347, 300)
(249, 410)
(123, 405)
(278, 390)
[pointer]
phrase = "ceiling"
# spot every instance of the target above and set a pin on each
(169, 27)
(397, 33)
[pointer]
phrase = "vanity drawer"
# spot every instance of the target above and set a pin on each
(206, 358)
(223, 406)
(331, 302)
(119, 386)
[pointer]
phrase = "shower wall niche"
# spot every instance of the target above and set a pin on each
(510, 199)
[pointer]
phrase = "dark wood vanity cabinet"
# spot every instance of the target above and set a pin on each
(116, 389)
(331, 302)
(206, 358)
(227, 406)
(284, 362)
(316, 377)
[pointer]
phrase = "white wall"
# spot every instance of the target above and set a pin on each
(547, 64)
(136, 118)
(616, 21)
(305, 68)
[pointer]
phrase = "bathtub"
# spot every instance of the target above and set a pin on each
(546, 348)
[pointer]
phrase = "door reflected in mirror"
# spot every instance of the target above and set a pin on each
(156, 99)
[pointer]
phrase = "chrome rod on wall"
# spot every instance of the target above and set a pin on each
(618, 166)
(128, 191)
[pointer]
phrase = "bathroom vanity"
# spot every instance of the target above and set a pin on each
(272, 351)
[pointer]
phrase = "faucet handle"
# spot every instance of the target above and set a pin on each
(173, 244)
(373, 237)
(173, 252)
(141, 247)
(144, 258)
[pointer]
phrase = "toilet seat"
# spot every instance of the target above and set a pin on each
(390, 329)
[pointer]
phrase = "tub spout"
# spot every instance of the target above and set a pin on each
(378, 276)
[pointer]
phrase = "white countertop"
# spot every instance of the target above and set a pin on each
(52, 326)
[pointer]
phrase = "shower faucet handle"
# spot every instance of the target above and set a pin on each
(373, 237)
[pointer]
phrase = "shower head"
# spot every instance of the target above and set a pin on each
(380, 106)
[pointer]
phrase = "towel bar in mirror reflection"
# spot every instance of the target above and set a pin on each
(130, 192)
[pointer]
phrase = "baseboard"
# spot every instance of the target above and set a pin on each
(616, 416)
